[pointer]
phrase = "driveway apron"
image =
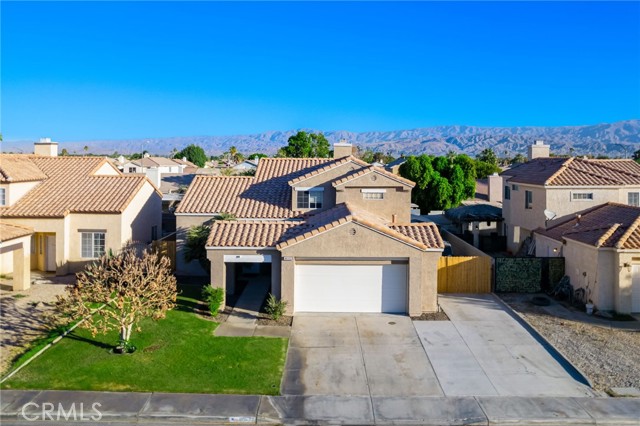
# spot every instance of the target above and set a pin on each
(358, 355)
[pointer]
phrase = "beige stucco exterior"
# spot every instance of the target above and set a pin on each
(15, 261)
(133, 224)
(604, 273)
(520, 221)
(16, 190)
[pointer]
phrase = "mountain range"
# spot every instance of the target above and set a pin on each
(619, 139)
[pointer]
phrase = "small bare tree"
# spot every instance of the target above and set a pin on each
(117, 291)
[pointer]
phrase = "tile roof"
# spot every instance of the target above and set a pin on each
(250, 233)
(371, 169)
(328, 166)
(421, 236)
(607, 225)
(281, 234)
(265, 195)
(72, 187)
(575, 172)
(19, 168)
(10, 232)
(156, 162)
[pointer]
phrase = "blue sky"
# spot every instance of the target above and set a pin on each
(111, 70)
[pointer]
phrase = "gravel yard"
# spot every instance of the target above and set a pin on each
(22, 317)
(609, 356)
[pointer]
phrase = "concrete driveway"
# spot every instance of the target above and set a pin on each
(358, 355)
(484, 351)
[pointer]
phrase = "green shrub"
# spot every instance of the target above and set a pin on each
(213, 296)
(275, 308)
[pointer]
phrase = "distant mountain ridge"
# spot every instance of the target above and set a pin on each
(621, 138)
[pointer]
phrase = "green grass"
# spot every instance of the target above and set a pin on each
(176, 354)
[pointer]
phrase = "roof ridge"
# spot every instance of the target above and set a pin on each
(581, 213)
(562, 168)
(630, 230)
(607, 234)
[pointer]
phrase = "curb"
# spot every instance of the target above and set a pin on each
(581, 376)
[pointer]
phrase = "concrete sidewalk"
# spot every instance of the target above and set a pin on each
(25, 407)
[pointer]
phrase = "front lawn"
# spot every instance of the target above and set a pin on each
(176, 354)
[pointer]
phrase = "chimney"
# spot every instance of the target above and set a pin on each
(342, 149)
(46, 148)
(539, 150)
(494, 188)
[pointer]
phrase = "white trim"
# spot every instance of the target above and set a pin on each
(247, 258)
(373, 191)
(309, 188)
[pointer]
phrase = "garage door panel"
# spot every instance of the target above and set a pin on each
(350, 288)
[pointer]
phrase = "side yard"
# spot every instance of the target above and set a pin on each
(176, 354)
(609, 356)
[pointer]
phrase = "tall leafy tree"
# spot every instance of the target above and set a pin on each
(193, 153)
(305, 145)
(488, 156)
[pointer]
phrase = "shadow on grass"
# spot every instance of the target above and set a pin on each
(90, 341)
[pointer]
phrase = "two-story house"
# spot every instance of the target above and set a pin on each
(544, 191)
(77, 208)
(334, 234)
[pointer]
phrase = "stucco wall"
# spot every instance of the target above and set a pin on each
(324, 180)
(397, 198)
(622, 268)
(183, 223)
(545, 246)
(14, 191)
(144, 212)
(107, 169)
(15, 260)
(340, 244)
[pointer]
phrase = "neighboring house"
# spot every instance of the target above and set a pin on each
(475, 220)
(394, 166)
(334, 235)
(15, 255)
(546, 188)
(160, 164)
(245, 166)
(78, 207)
(601, 248)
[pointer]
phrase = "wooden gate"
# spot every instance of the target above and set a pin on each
(464, 274)
(166, 248)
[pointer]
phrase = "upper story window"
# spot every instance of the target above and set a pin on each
(310, 198)
(3, 197)
(373, 194)
(528, 199)
(582, 196)
(507, 192)
(93, 244)
(515, 187)
(132, 169)
(634, 199)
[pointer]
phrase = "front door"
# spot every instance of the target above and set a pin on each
(50, 253)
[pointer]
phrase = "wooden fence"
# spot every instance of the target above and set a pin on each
(166, 248)
(464, 274)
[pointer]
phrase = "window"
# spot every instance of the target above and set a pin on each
(515, 187)
(634, 199)
(373, 194)
(132, 169)
(92, 244)
(33, 243)
(311, 199)
(528, 199)
(507, 193)
(3, 200)
(154, 232)
(582, 196)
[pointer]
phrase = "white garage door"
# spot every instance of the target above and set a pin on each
(350, 288)
(635, 288)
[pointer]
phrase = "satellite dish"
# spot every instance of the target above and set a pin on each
(549, 215)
